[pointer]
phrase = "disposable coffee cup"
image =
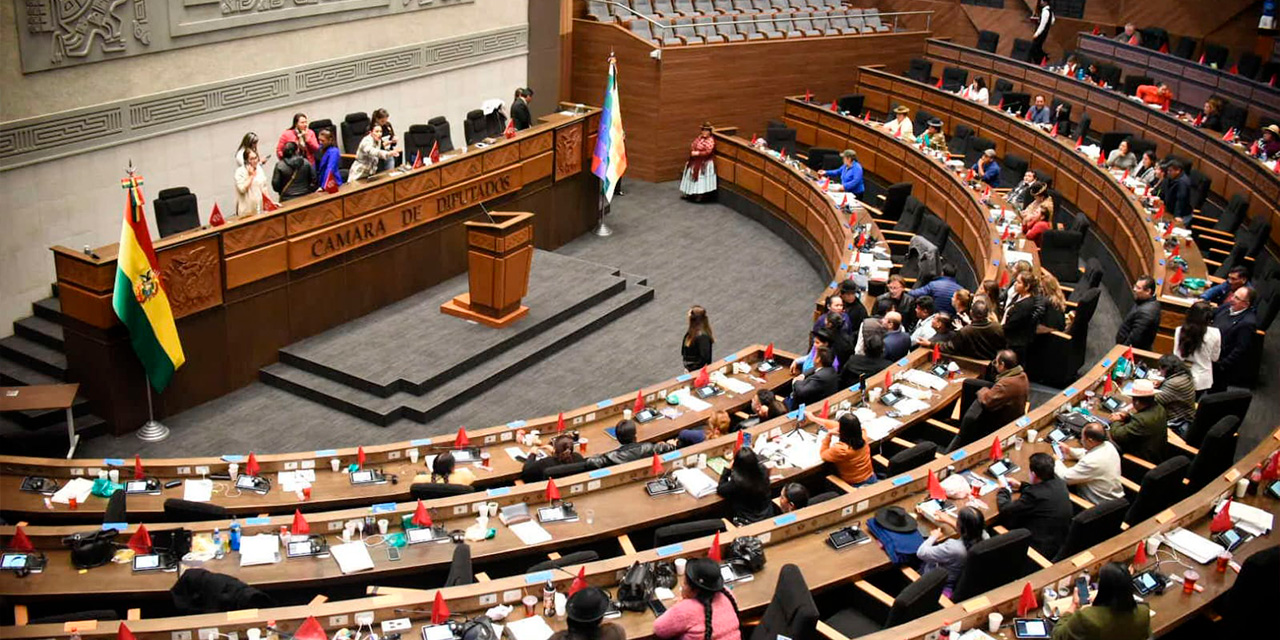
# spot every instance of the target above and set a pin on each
(626, 414)
(1242, 487)
(680, 563)
(233, 470)
(413, 455)
(334, 463)
(114, 474)
(530, 605)
(1032, 435)
(993, 622)
(382, 526)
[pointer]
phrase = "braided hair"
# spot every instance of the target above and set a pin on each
(706, 596)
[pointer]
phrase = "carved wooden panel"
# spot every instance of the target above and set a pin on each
(417, 183)
(500, 157)
(456, 171)
(192, 276)
(366, 200)
(309, 218)
(538, 167)
(535, 145)
(242, 237)
(568, 151)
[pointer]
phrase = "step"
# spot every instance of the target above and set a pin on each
(44, 359)
(16, 374)
(422, 408)
(50, 441)
(49, 309)
(37, 329)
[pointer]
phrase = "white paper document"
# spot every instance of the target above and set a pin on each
(924, 379)
(1193, 545)
(531, 628)
(879, 428)
(695, 482)
(740, 387)
(79, 488)
(691, 402)
(197, 490)
(530, 532)
(352, 557)
(263, 548)
(1250, 519)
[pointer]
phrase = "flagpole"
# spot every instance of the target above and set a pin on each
(152, 431)
(602, 230)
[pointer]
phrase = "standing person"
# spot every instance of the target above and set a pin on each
(1022, 314)
(1054, 305)
(851, 456)
(249, 141)
(370, 155)
(925, 315)
(952, 553)
(1177, 192)
(1043, 506)
(520, 115)
(941, 288)
(706, 611)
(960, 301)
(896, 341)
(1097, 468)
(1138, 329)
(1046, 19)
(699, 180)
(695, 349)
(1142, 431)
(745, 488)
(1113, 614)
(894, 298)
(981, 339)
(328, 162)
(300, 135)
(849, 173)
(293, 176)
(584, 618)
(251, 179)
(835, 304)
(854, 310)
(1198, 343)
(560, 451)
(389, 140)
(1236, 320)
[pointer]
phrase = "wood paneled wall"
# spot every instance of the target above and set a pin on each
(743, 84)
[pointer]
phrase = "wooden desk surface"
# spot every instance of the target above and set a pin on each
(38, 396)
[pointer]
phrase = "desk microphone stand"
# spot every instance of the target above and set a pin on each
(153, 430)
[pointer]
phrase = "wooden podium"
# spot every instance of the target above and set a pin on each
(499, 255)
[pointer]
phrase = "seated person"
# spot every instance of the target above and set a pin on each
(1020, 195)
(1159, 95)
(706, 610)
(628, 449)
(996, 405)
(1038, 113)
(1035, 218)
(977, 91)
(764, 406)
(559, 452)
(943, 329)
(813, 387)
(745, 488)
(584, 617)
(1239, 276)
(717, 425)
(987, 169)
(1269, 144)
(851, 455)
(444, 470)
(951, 554)
(924, 321)
(1176, 392)
(1148, 168)
(794, 496)
(1211, 117)
(1043, 506)
(868, 363)
(1130, 35)
(1114, 614)
(894, 298)
(1142, 431)
(900, 126)
(933, 136)
(849, 174)
(1096, 473)
(1121, 157)
(981, 339)
(1071, 67)
(896, 341)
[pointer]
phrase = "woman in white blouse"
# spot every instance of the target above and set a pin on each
(251, 179)
(977, 91)
(1198, 343)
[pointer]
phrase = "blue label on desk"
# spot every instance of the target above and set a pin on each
(232, 458)
(731, 357)
(114, 462)
(1161, 262)
(257, 522)
(118, 526)
(498, 491)
(786, 518)
(1069, 391)
(684, 377)
(995, 263)
(598, 473)
(901, 480)
(1024, 421)
(420, 442)
(326, 453)
(851, 247)
(538, 577)
(604, 403)
(902, 362)
(669, 550)
(516, 424)
(1160, 281)
(843, 266)
(833, 284)
(669, 456)
(385, 507)
(1107, 362)
(958, 454)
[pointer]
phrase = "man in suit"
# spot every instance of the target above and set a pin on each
(1043, 506)
(1237, 277)
(1177, 192)
(520, 109)
(896, 341)
(1138, 329)
(868, 363)
(980, 339)
(813, 387)
(1236, 320)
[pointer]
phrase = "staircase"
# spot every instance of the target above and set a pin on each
(34, 355)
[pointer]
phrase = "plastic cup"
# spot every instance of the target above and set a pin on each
(582, 445)
(993, 622)
(306, 493)
(233, 470)
(590, 515)
(71, 502)
(413, 456)
(626, 414)
(1189, 578)
(1224, 559)
(486, 460)
(1032, 435)
(114, 474)
(1242, 487)
(530, 605)
(334, 463)
(382, 526)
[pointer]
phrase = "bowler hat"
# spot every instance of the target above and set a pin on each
(935, 123)
(587, 605)
(895, 519)
(901, 109)
(704, 574)
(1272, 128)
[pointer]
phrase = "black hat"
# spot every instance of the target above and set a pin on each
(850, 286)
(895, 519)
(935, 123)
(587, 605)
(823, 334)
(704, 574)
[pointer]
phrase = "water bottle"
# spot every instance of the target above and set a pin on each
(217, 544)
(235, 534)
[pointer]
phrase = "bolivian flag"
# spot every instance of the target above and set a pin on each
(139, 298)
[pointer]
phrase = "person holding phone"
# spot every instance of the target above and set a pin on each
(706, 610)
(951, 554)
(299, 134)
(1114, 614)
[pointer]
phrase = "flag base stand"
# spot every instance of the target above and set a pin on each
(153, 431)
(602, 230)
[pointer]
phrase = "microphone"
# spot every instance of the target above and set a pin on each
(486, 213)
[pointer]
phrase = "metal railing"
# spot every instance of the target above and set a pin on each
(661, 29)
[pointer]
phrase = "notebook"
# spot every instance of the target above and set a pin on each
(352, 557)
(263, 548)
(530, 533)
(695, 482)
(531, 628)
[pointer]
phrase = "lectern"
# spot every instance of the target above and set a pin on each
(499, 255)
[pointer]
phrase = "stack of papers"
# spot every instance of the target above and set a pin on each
(1249, 519)
(531, 628)
(740, 387)
(1194, 546)
(263, 548)
(909, 392)
(78, 488)
(198, 490)
(695, 482)
(924, 379)
(691, 402)
(880, 427)
(296, 480)
(515, 452)
(530, 532)
(909, 406)
(1011, 256)
(352, 557)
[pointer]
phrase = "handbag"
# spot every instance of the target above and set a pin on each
(750, 551)
(664, 574)
(93, 549)
(636, 588)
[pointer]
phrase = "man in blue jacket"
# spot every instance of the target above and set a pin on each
(850, 174)
(987, 169)
(1237, 277)
(941, 288)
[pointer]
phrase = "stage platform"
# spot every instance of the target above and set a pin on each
(409, 360)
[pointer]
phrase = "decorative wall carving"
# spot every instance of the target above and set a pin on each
(24, 142)
(63, 33)
(568, 151)
(192, 277)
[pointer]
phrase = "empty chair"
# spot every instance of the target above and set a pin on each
(316, 126)
(432, 490)
(474, 128)
(920, 70)
(816, 157)
(354, 128)
(1161, 487)
(1248, 65)
(640, 27)
(178, 510)
(177, 210)
(992, 563)
(418, 139)
(851, 104)
(202, 591)
(673, 533)
(857, 22)
(921, 120)
(895, 199)
(663, 8)
(786, 26)
(954, 78)
(1216, 453)
(727, 30)
(1234, 115)
(762, 5)
(1086, 123)
(720, 6)
(1109, 74)
(872, 19)
(805, 26)
(1021, 50)
(976, 147)
(839, 21)
(1060, 253)
(912, 213)
(117, 508)
(783, 139)
(909, 459)
(441, 128)
(934, 230)
(685, 8)
(959, 140)
(1002, 87)
(1233, 215)
(1186, 48)
(822, 22)
(1093, 526)
(1132, 82)
(599, 11)
(460, 572)
(566, 560)
(643, 7)
(918, 599)
(988, 40)
(1215, 55)
(1091, 278)
(1212, 408)
(1012, 169)
(706, 30)
(791, 613)
(1016, 101)
(495, 122)
(685, 32)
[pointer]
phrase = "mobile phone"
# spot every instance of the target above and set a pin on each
(1082, 590)
(172, 483)
(657, 607)
(393, 554)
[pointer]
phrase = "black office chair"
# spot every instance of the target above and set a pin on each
(998, 92)
(433, 490)
(816, 157)
(562, 470)
(199, 591)
(1216, 453)
(895, 198)
(1112, 139)
(1139, 146)
(495, 123)
(1234, 116)
(177, 210)
(976, 147)
(781, 139)
(1060, 253)
(933, 229)
(791, 613)
(851, 104)
(825, 496)
(1021, 50)
(912, 214)
(566, 560)
(1233, 215)
(117, 509)
(988, 40)
(460, 572)
(1186, 48)
(1214, 407)
(354, 128)
(1199, 189)
(1109, 74)
(178, 510)
(992, 563)
(418, 139)
(1161, 488)
(474, 128)
(673, 533)
(1012, 169)
(1017, 102)
(316, 126)
(1132, 82)
(976, 421)
(1216, 55)
(1086, 123)
(959, 140)
(1060, 114)
(918, 599)
(909, 459)
(1057, 361)
(921, 121)
(443, 135)
(954, 78)
(920, 70)
(1154, 37)
(1090, 279)
(1093, 526)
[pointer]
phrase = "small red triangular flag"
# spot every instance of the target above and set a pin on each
(1222, 521)
(1107, 385)
(1140, 556)
(968, 175)
(439, 610)
(1096, 30)
(251, 467)
(939, 85)
(1177, 251)
(417, 159)
(123, 633)
(267, 204)
(560, 422)
(1235, 70)
(1271, 470)
(937, 352)
(138, 473)
(768, 352)
(1202, 58)
(1177, 276)
(1102, 159)
(1128, 354)
(1054, 130)
(714, 551)
(461, 440)
(1000, 105)
(1080, 142)
(935, 488)
(300, 525)
(579, 581)
(866, 115)
(310, 630)
(826, 409)
(1027, 601)
(808, 95)
(510, 131)
(421, 516)
(1004, 279)
(1164, 48)
(435, 152)
(360, 457)
(656, 468)
(141, 541)
(997, 451)
(703, 378)
(834, 106)
(331, 185)
(737, 444)
(20, 541)
(638, 405)
(215, 218)
(553, 492)
(888, 381)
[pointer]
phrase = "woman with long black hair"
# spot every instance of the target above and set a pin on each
(706, 611)
(952, 553)
(1198, 343)
(745, 488)
(695, 349)
(584, 618)
(1113, 615)
(444, 469)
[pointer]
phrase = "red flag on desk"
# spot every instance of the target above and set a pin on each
(1177, 276)
(935, 488)
(1202, 58)
(997, 451)
(1271, 470)
(560, 423)
(1028, 114)
(420, 516)
(251, 467)
(435, 152)
(1000, 105)
(1253, 148)
(1004, 235)
(888, 380)
(939, 84)
(826, 409)
(656, 467)
(986, 191)
(1235, 70)
(1054, 130)
(553, 492)
(1230, 135)
(140, 543)
(968, 175)
(461, 440)
(1164, 47)
(1107, 385)
(1128, 355)
(1134, 40)
(1199, 119)
(1177, 251)
(215, 218)
(417, 159)
(1159, 210)
(835, 107)
(360, 457)
(1102, 158)
(123, 633)
(1079, 142)
(768, 352)
(1222, 521)
(1096, 30)
(937, 352)
(703, 378)
(138, 473)
(310, 630)
(808, 95)
(1044, 62)
(1273, 80)
(1027, 601)
(714, 551)
(300, 525)
(866, 115)
(1124, 176)
(267, 204)
(579, 581)
(331, 185)
(439, 610)
(1004, 279)
(1140, 555)
(510, 131)
(20, 541)
(737, 443)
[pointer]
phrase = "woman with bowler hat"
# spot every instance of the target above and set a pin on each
(706, 610)
(584, 617)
